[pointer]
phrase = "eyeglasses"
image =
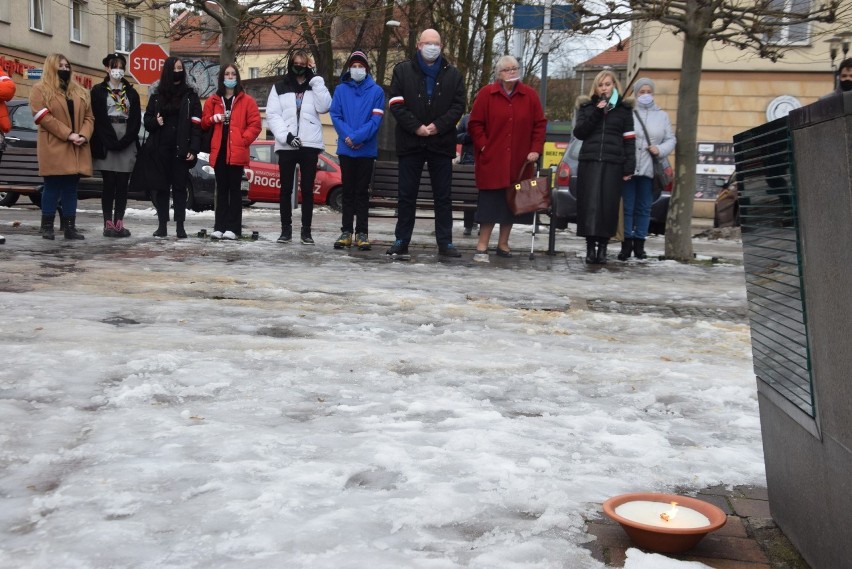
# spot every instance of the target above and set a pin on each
(510, 69)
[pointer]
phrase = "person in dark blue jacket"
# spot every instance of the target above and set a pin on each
(357, 110)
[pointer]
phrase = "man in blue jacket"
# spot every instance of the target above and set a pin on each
(357, 109)
(427, 99)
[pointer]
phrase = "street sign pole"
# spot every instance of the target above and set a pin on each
(545, 48)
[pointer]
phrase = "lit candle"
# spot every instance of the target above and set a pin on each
(662, 515)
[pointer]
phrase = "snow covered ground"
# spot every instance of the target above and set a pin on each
(250, 405)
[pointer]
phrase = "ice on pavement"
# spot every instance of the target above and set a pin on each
(195, 404)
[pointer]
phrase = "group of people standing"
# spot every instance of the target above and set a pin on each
(80, 131)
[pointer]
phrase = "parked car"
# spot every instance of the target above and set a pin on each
(22, 135)
(566, 202)
(265, 179)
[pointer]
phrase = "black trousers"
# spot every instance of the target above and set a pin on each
(356, 174)
(441, 173)
(114, 194)
(176, 174)
(229, 200)
(306, 158)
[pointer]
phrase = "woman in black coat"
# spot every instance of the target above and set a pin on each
(118, 116)
(173, 116)
(604, 122)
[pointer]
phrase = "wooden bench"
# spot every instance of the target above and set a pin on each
(384, 192)
(18, 174)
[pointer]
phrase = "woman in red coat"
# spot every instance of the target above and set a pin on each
(507, 125)
(235, 120)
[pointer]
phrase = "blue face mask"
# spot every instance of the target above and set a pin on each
(230, 83)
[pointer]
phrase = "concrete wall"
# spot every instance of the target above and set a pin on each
(809, 461)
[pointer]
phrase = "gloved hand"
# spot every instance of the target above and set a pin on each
(294, 141)
(316, 81)
(218, 117)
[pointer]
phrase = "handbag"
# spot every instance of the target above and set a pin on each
(529, 195)
(663, 174)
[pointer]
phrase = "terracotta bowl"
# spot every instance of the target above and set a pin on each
(660, 539)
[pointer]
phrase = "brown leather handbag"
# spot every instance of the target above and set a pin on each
(530, 194)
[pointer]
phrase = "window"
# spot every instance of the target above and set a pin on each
(38, 15)
(77, 7)
(125, 33)
(790, 33)
(4, 10)
(254, 72)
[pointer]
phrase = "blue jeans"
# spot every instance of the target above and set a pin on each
(441, 173)
(58, 188)
(637, 194)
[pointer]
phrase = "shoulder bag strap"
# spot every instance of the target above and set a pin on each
(644, 128)
(523, 169)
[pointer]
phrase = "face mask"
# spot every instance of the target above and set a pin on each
(357, 73)
(64, 75)
(117, 74)
(299, 69)
(430, 52)
(646, 99)
(846, 85)
(230, 83)
(179, 76)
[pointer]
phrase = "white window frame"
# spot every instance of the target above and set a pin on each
(39, 10)
(793, 34)
(77, 8)
(254, 72)
(121, 33)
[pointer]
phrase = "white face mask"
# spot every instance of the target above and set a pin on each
(357, 74)
(117, 74)
(430, 52)
(646, 99)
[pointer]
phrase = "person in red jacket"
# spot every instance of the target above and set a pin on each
(7, 91)
(234, 117)
(507, 125)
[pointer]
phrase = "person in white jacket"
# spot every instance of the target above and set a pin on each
(638, 191)
(292, 113)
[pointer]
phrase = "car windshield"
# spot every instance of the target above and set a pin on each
(261, 152)
(22, 118)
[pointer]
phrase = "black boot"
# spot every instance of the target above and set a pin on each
(161, 231)
(306, 236)
(180, 231)
(600, 259)
(590, 250)
(639, 249)
(46, 228)
(626, 249)
(71, 229)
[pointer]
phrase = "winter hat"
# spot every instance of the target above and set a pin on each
(110, 56)
(360, 57)
(644, 81)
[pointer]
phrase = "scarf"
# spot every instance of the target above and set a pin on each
(430, 70)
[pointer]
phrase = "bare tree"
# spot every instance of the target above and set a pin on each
(755, 25)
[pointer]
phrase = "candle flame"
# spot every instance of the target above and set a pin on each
(670, 515)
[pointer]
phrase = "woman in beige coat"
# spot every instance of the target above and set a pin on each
(62, 110)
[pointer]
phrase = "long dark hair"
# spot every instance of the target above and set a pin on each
(220, 89)
(171, 94)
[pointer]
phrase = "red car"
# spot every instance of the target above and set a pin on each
(265, 179)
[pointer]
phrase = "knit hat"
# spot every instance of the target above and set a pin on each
(644, 81)
(360, 57)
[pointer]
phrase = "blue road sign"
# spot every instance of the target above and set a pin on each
(532, 17)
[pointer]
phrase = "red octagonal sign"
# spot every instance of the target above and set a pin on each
(146, 62)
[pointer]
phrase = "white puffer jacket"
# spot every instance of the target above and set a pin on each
(660, 131)
(282, 118)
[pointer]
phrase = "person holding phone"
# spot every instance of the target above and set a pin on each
(604, 122)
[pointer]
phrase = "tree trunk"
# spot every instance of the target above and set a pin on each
(488, 43)
(679, 220)
(382, 62)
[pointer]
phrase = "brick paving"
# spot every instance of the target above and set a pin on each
(749, 539)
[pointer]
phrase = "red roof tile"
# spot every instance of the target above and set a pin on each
(613, 56)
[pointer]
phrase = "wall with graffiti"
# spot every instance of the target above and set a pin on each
(203, 74)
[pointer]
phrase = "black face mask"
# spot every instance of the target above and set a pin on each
(846, 85)
(299, 69)
(64, 75)
(179, 76)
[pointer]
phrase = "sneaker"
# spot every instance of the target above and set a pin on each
(216, 235)
(286, 234)
(120, 230)
(481, 256)
(306, 238)
(398, 248)
(345, 240)
(362, 242)
(468, 231)
(230, 235)
(449, 250)
(109, 229)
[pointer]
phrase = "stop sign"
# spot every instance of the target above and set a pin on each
(146, 62)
